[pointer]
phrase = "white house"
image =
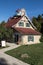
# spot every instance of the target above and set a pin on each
(24, 30)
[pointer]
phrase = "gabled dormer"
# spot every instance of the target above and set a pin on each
(24, 22)
(20, 20)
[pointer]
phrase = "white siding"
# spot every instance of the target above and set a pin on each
(36, 39)
(23, 20)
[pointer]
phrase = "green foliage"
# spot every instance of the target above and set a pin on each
(36, 23)
(41, 39)
(39, 17)
(5, 33)
(2, 31)
(3, 23)
(9, 35)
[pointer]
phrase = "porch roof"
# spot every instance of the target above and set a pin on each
(27, 31)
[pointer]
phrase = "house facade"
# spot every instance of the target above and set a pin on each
(24, 30)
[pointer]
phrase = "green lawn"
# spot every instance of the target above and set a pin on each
(35, 53)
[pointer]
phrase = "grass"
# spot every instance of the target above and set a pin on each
(35, 53)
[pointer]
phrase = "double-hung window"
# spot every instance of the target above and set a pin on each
(27, 25)
(21, 23)
(30, 38)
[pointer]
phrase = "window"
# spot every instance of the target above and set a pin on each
(30, 38)
(27, 25)
(21, 23)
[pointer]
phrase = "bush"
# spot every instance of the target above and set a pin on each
(6, 33)
(41, 39)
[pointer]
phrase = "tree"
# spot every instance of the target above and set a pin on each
(39, 17)
(42, 15)
(2, 31)
(5, 33)
(41, 39)
(36, 23)
(9, 35)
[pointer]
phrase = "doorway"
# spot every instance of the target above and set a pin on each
(16, 38)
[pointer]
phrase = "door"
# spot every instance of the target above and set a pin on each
(16, 38)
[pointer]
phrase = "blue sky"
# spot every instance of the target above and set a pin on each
(8, 7)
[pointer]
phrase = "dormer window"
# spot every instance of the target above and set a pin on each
(27, 25)
(21, 23)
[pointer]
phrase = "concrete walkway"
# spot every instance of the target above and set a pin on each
(7, 59)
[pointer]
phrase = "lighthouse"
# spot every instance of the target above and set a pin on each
(20, 12)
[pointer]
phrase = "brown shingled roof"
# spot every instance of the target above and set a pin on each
(13, 21)
(27, 31)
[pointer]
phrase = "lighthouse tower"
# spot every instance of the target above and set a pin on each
(20, 12)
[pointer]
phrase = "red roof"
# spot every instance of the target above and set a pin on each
(27, 31)
(13, 21)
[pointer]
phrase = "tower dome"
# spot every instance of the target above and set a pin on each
(21, 12)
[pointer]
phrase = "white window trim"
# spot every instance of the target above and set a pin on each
(21, 25)
(31, 39)
(27, 23)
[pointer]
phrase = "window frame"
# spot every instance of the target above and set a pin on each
(30, 38)
(27, 25)
(22, 24)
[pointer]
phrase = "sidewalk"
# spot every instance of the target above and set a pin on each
(9, 60)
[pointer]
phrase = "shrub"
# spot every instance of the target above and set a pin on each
(41, 39)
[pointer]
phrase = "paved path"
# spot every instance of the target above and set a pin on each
(9, 60)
